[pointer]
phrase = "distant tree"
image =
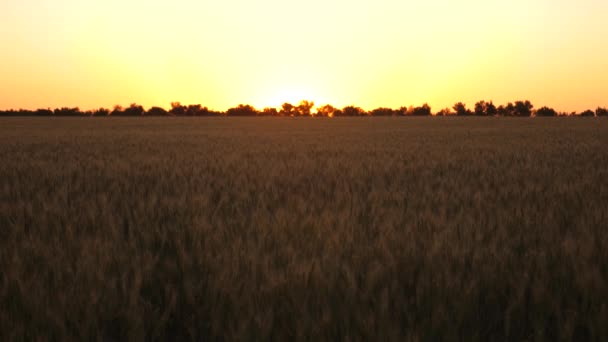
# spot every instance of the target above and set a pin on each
(523, 108)
(41, 112)
(546, 111)
(268, 111)
(382, 112)
(352, 111)
(601, 111)
(402, 111)
(7, 113)
(287, 109)
(117, 110)
(480, 108)
(461, 109)
(65, 111)
(510, 109)
(134, 110)
(100, 112)
(196, 110)
(485, 108)
(423, 110)
(177, 109)
(326, 111)
(444, 112)
(491, 109)
(156, 111)
(502, 110)
(303, 109)
(242, 110)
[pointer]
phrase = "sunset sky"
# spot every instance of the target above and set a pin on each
(220, 53)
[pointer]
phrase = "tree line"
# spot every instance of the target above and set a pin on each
(305, 108)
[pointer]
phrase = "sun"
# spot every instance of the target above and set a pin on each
(291, 94)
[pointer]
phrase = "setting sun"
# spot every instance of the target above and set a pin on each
(290, 95)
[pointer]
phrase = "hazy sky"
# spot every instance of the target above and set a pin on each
(370, 53)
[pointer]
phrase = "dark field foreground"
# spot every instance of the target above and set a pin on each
(306, 229)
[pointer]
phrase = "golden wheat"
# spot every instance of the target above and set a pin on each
(306, 229)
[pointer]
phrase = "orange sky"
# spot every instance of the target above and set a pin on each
(369, 53)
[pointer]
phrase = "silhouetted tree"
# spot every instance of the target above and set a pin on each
(545, 111)
(43, 112)
(351, 111)
(117, 110)
(485, 108)
(522, 108)
(156, 111)
(491, 109)
(269, 111)
(444, 112)
(423, 110)
(382, 112)
(65, 111)
(502, 110)
(401, 111)
(480, 108)
(303, 109)
(177, 109)
(461, 109)
(510, 109)
(326, 110)
(287, 109)
(242, 110)
(9, 112)
(134, 110)
(100, 112)
(196, 110)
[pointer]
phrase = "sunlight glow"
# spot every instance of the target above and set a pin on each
(370, 53)
(290, 95)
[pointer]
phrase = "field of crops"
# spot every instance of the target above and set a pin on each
(303, 228)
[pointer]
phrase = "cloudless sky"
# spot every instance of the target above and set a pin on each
(371, 53)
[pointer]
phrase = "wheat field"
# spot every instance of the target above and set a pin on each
(404, 229)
